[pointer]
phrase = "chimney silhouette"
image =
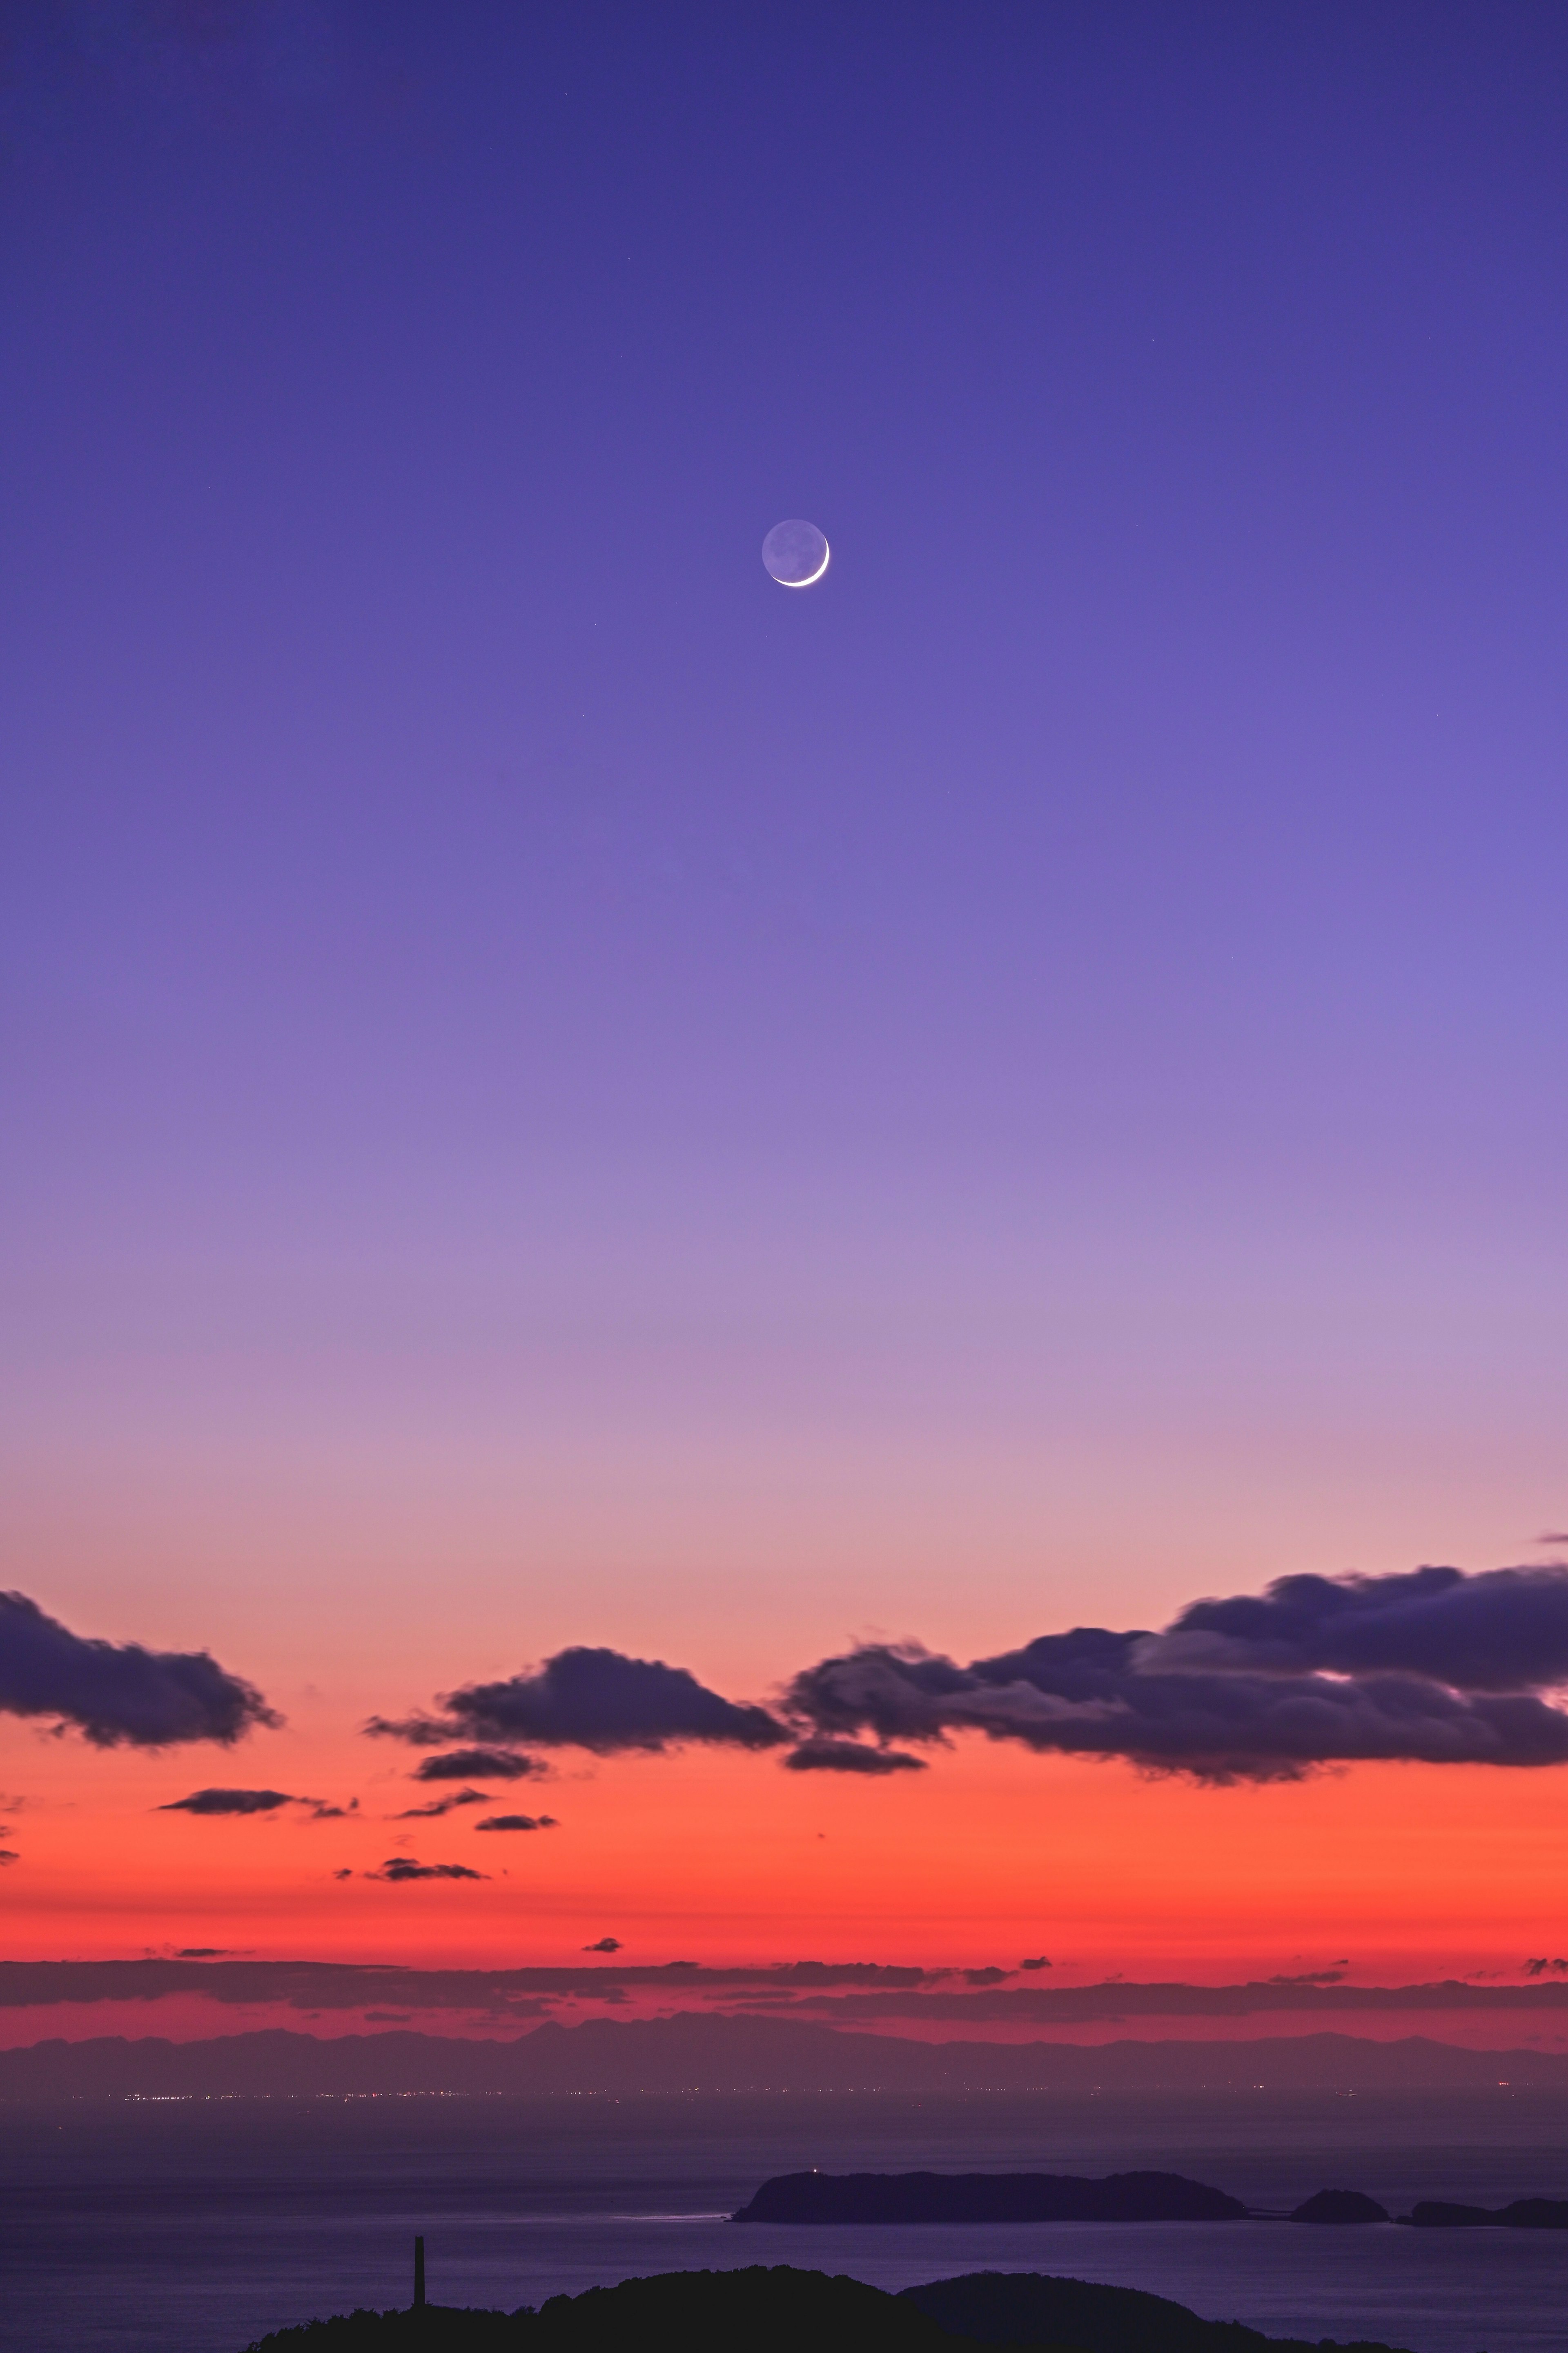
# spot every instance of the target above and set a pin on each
(419, 2274)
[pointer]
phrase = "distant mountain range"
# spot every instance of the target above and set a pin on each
(696, 2053)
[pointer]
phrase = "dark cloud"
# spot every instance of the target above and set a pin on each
(1546, 1969)
(118, 1693)
(818, 1756)
(9, 1854)
(604, 1945)
(255, 1801)
(399, 1867)
(201, 1952)
(444, 1805)
(593, 1699)
(1167, 1703)
(342, 1875)
(519, 1822)
(1039, 1962)
(1315, 1976)
(475, 1764)
(228, 1802)
(1505, 1629)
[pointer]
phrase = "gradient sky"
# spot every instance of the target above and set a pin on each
(555, 1092)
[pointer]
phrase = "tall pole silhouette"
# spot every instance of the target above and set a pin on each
(419, 2274)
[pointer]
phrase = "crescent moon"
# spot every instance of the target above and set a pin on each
(811, 577)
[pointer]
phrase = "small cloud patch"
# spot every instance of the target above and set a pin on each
(849, 1756)
(519, 1822)
(228, 1802)
(400, 1867)
(479, 1765)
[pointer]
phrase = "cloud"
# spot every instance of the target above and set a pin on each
(9, 1854)
(819, 1756)
(255, 1801)
(519, 1822)
(1505, 1629)
(1546, 1969)
(399, 1867)
(604, 1945)
(1261, 1689)
(342, 1875)
(201, 1952)
(444, 1805)
(476, 1765)
(230, 1801)
(1315, 1976)
(1039, 1962)
(119, 1692)
(593, 1699)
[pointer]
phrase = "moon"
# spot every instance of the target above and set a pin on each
(795, 554)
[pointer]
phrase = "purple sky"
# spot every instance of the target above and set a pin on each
(1023, 1083)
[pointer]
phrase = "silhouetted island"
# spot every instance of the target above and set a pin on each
(1341, 2206)
(1524, 2214)
(779, 2309)
(987, 2198)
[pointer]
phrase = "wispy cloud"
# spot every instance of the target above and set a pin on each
(444, 1805)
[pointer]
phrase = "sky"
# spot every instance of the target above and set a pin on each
(558, 1097)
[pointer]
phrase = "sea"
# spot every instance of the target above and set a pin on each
(196, 2226)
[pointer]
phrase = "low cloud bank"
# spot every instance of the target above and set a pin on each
(327, 1986)
(117, 1694)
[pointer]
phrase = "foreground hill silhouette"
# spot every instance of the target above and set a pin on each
(779, 2309)
(988, 2198)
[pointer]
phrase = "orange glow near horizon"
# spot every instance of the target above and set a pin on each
(1408, 1872)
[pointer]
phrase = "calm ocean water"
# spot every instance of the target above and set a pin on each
(194, 2227)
